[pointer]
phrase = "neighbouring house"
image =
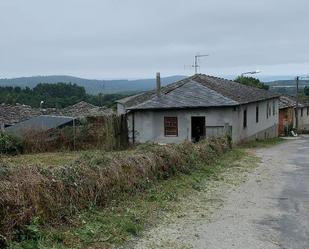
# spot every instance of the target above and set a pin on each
(303, 117)
(13, 114)
(41, 123)
(287, 106)
(201, 106)
(84, 109)
(287, 114)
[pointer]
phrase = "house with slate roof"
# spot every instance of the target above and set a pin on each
(287, 106)
(287, 114)
(201, 106)
(303, 117)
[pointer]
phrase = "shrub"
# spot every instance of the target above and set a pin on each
(10, 144)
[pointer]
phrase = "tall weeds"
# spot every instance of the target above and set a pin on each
(55, 194)
(102, 132)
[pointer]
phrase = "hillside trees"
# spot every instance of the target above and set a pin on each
(306, 91)
(57, 95)
(250, 81)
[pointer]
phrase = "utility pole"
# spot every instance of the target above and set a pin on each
(297, 103)
(298, 78)
(196, 62)
(102, 93)
(74, 134)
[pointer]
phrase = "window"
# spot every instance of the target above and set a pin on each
(170, 126)
(257, 114)
(302, 112)
(245, 119)
(274, 108)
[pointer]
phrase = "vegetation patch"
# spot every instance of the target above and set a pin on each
(34, 196)
(100, 132)
(251, 81)
(10, 144)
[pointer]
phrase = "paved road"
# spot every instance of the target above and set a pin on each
(269, 211)
(293, 202)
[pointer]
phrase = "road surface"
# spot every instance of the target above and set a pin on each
(268, 211)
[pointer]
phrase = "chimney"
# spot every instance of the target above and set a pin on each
(158, 85)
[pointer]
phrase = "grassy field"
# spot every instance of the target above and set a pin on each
(128, 217)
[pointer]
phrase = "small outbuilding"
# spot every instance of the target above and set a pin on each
(201, 106)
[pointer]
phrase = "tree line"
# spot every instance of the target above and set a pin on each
(57, 95)
(251, 81)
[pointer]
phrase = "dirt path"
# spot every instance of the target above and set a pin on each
(269, 210)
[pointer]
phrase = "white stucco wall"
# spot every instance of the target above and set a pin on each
(120, 109)
(267, 125)
(303, 122)
(149, 125)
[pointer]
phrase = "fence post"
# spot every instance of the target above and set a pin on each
(74, 135)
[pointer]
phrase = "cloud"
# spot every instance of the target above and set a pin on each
(135, 38)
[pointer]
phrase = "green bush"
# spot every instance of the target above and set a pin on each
(10, 144)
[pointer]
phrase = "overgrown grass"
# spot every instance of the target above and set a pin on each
(34, 195)
(262, 143)
(128, 215)
(41, 159)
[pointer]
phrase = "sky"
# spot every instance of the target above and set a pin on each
(136, 38)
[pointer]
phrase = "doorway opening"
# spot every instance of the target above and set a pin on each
(198, 128)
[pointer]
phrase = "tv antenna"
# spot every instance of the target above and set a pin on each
(196, 61)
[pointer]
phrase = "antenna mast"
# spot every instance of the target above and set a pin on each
(196, 61)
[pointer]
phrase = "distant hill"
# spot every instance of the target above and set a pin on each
(286, 86)
(287, 83)
(92, 86)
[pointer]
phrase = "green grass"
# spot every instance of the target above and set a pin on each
(128, 216)
(262, 143)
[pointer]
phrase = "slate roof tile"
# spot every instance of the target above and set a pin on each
(199, 91)
(286, 102)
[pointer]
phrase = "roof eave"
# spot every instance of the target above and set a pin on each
(260, 100)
